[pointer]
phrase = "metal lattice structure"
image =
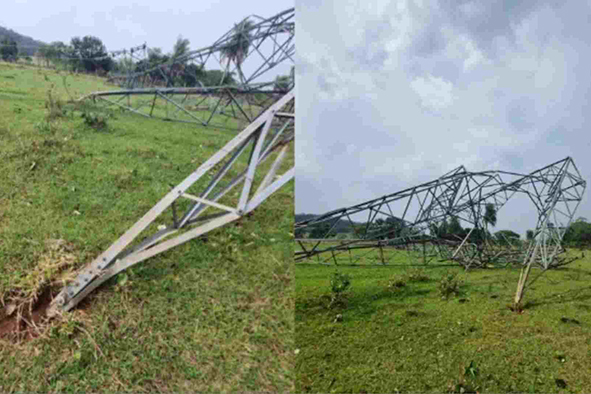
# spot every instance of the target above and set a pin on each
(269, 44)
(209, 189)
(232, 182)
(409, 219)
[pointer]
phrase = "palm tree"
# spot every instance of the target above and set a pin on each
(490, 215)
(181, 48)
(239, 44)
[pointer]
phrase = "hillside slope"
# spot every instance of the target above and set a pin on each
(26, 45)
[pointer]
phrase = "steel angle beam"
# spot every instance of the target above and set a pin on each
(206, 190)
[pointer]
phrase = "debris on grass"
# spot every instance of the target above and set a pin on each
(25, 305)
(569, 320)
(560, 383)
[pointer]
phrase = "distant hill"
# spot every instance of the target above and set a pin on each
(342, 226)
(300, 217)
(26, 45)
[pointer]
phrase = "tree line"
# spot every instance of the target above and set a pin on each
(8, 49)
(578, 234)
(89, 54)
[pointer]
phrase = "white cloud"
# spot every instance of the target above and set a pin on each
(435, 93)
(474, 55)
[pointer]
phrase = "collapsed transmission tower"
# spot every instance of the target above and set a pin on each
(224, 188)
(410, 219)
(254, 50)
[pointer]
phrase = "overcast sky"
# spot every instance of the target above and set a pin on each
(394, 94)
(121, 24)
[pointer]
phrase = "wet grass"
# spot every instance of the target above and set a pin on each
(408, 339)
(209, 315)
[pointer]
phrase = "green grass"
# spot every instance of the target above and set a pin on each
(408, 339)
(205, 316)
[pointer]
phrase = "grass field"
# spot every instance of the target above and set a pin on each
(408, 339)
(209, 315)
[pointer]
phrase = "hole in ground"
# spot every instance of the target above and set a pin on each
(21, 327)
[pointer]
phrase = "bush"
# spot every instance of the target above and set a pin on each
(94, 120)
(396, 283)
(450, 285)
(45, 127)
(339, 283)
(55, 107)
(417, 275)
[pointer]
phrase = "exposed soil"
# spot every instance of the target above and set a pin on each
(16, 329)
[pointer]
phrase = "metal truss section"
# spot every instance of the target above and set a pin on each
(409, 219)
(227, 186)
(270, 43)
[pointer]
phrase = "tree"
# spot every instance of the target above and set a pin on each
(239, 44)
(319, 231)
(123, 65)
(455, 228)
(181, 48)
(529, 235)
(192, 75)
(215, 77)
(439, 231)
(55, 53)
(299, 233)
(388, 228)
(490, 216)
(8, 49)
(578, 234)
(478, 236)
(155, 58)
(283, 83)
(91, 54)
(177, 69)
(507, 237)
(42, 54)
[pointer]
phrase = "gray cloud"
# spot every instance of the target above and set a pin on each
(491, 85)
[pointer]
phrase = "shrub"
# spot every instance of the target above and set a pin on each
(339, 283)
(94, 120)
(396, 283)
(55, 107)
(417, 275)
(449, 285)
(45, 127)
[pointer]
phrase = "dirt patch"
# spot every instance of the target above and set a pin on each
(23, 311)
(25, 324)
